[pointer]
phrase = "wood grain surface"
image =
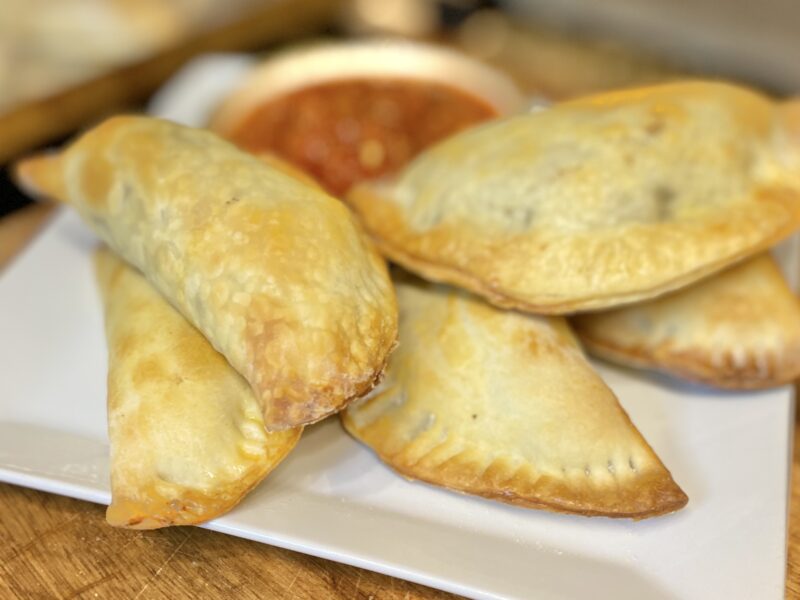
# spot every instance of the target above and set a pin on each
(56, 547)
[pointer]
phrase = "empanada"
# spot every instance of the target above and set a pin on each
(739, 329)
(599, 201)
(187, 435)
(504, 405)
(277, 275)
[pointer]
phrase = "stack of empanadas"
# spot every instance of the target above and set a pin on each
(653, 205)
(597, 203)
(616, 201)
(281, 311)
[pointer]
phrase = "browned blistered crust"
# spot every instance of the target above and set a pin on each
(505, 211)
(277, 275)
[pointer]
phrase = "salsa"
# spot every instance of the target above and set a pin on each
(347, 131)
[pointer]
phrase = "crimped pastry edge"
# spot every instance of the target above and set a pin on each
(695, 366)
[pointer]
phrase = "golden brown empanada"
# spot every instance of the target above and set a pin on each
(277, 275)
(739, 329)
(187, 435)
(504, 405)
(599, 201)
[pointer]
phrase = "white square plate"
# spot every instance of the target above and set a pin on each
(334, 499)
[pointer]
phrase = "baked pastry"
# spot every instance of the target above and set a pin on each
(739, 329)
(277, 275)
(187, 436)
(49, 45)
(596, 202)
(349, 111)
(504, 405)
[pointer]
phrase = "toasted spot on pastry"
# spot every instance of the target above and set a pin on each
(504, 405)
(596, 202)
(739, 329)
(277, 275)
(187, 435)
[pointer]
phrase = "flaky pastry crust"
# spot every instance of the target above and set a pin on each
(504, 405)
(187, 435)
(596, 202)
(738, 330)
(276, 274)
